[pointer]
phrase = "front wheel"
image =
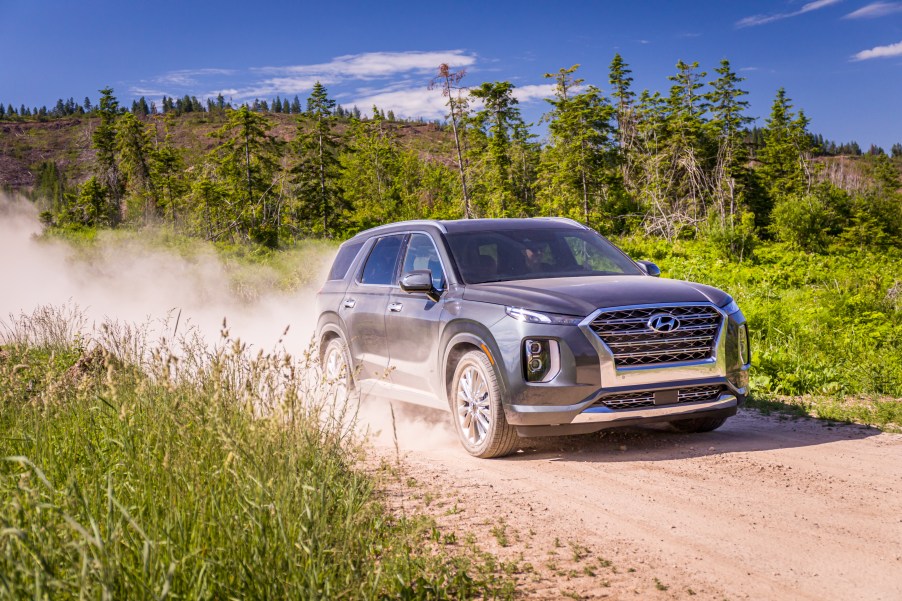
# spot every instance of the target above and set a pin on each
(477, 411)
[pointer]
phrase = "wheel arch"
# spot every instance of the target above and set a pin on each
(462, 337)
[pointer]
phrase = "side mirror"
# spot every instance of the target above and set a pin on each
(419, 280)
(649, 268)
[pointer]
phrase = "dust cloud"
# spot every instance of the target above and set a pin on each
(130, 281)
(127, 280)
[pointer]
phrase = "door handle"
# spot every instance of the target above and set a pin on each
(396, 307)
(349, 303)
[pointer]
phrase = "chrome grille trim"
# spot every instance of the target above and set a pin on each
(699, 393)
(634, 400)
(633, 343)
(628, 400)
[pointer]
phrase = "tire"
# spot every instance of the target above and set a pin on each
(475, 399)
(336, 366)
(697, 425)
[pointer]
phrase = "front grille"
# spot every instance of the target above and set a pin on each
(633, 400)
(633, 342)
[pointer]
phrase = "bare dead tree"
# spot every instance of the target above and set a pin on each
(449, 81)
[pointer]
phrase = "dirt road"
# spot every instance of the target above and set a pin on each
(764, 508)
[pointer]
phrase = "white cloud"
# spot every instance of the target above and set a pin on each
(375, 65)
(412, 102)
(531, 93)
(430, 104)
(189, 77)
(874, 10)
(806, 8)
(267, 82)
(879, 52)
(147, 92)
(278, 86)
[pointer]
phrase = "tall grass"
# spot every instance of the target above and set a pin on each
(137, 469)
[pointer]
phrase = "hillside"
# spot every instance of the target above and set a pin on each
(26, 145)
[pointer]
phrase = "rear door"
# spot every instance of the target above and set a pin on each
(365, 304)
(413, 320)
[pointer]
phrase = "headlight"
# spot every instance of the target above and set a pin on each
(731, 308)
(541, 360)
(528, 316)
(745, 350)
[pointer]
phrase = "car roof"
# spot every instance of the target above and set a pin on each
(474, 225)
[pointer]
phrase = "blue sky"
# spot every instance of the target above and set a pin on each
(839, 60)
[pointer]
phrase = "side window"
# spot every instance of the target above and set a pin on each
(422, 254)
(344, 258)
(383, 260)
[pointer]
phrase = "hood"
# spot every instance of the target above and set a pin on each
(582, 295)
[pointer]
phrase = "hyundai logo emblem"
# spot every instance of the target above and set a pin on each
(663, 322)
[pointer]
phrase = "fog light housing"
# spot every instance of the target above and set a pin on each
(541, 360)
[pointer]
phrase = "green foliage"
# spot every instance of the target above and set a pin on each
(734, 239)
(120, 482)
(578, 174)
(491, 140)
(246, 166)
(808, 221)
(680, 165)
(825, 325)
(315, 175)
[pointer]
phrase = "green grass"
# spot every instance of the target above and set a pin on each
(826, 329)
(217, 475)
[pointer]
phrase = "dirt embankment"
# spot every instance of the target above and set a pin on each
(765, 508)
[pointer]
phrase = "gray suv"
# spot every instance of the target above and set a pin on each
(528, 327)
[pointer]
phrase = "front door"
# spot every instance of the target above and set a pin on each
(413, 319)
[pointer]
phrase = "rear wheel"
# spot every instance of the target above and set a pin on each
(699, 424)
(476, 407)
(336, 367)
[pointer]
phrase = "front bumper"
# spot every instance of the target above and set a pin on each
(574, 398)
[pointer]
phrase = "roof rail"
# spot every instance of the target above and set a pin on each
(433, 222)
(568, 220)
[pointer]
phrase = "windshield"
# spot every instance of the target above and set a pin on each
(497, 256)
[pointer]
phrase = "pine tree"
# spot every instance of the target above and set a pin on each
(246, 163)
(624, 114)
(785, 151)
(104, 142)
(134, 144)
(494, 125)
(370, 174)
(728, 122)
(167, 170)
(317, 150)
(577, 167)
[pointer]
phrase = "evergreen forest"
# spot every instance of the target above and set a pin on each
(686, 163)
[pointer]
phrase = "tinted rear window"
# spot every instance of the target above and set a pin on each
(343, 261)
